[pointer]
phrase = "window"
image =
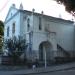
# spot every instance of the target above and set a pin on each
(11, 14)
(13, 28)
(7, 31)
(28, 24)
(40, 24)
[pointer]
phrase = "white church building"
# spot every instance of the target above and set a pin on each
(47, 37)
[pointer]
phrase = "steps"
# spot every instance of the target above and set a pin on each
(62, 52)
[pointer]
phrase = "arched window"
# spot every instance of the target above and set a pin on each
(7, 31)
(28, 24)
(13, 28)
(40, 24)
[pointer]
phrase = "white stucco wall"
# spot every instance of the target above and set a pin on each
(15, 19)
(64, 33)
(40, 36)
(11, 12)
(23, 25)
(63, 30)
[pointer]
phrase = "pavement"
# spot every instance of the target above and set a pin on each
(38, 70)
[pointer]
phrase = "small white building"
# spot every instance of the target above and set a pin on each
(46, 36)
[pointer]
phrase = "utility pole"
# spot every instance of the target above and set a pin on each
(45, 57)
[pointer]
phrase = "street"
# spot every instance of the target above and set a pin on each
(64, 69)
(65, 72)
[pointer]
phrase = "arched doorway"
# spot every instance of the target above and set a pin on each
(45, 51)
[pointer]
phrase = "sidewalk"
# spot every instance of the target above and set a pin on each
(48, 69)
(39, 70)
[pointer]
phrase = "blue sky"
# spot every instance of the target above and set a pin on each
(49, 7)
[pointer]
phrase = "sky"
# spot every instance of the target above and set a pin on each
(49, 7)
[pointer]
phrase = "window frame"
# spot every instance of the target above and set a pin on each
(28, 24)
(40, 23)
(8, 31)
(13, 28)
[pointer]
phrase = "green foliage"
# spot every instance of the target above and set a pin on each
(1, 28)
(1, 34)
(16, 47)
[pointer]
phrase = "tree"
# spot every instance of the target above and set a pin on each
(69, 5)
(1, 28)
(16, 47)
(1, 33)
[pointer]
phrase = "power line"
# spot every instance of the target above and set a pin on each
(5, 4)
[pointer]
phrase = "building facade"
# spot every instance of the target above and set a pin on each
(47, 37)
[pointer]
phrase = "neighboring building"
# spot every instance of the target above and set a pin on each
(46, 36)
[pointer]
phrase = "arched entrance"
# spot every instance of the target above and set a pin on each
(45, 51)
